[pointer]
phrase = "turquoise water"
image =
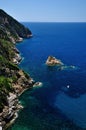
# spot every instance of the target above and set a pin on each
(60, 104)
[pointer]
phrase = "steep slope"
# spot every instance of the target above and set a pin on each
(10, 29)
(13, 81)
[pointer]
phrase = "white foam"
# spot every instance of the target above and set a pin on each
(68, 86)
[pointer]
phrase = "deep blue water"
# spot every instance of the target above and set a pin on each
(54, 106)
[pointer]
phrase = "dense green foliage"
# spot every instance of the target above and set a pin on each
(5, 84)
(6, 49)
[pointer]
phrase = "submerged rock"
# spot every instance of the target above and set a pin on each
(52, 61)
(65, 67)
(38, 84)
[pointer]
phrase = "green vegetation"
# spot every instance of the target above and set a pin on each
(6, 49)
(10, 32)
(5, 88)
(5, 84)
(13, 66)
(6, 76)
(14, 79)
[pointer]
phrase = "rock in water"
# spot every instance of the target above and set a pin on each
(52, 61)
(38, 84)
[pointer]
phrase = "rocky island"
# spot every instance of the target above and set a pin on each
(13, 81)
(52, 61)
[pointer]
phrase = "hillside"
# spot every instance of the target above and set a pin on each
(10, 29)
(13, 81)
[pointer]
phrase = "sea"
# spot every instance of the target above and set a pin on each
(60, 102)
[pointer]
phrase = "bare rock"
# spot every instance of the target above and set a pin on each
(52, 61)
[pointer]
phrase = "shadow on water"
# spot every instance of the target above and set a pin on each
(40, 114)
(73, 108)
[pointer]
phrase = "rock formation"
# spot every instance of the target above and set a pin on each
(52, 61)
(38, 84)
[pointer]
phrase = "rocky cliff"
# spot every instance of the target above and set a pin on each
(13, 81)
(12, 30)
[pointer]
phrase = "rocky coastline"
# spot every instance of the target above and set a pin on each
(24, 82)
(13, 80)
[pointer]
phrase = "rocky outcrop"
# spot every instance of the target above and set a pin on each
(52, 61)
(20, 83)
(9, 113)
(38, 84)
(17, 58)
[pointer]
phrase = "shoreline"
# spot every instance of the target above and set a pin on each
(18, 106)
(13, 81)
(12, 121)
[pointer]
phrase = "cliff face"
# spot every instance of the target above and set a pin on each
(13, 81)
(12, 30)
